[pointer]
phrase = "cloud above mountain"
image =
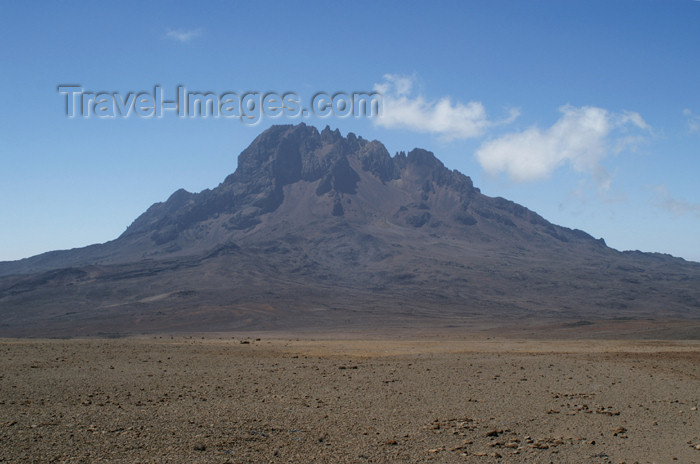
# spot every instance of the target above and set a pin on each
(183, 35)
(693, 120)
(403, 108)
(677, 206)
(581, 138)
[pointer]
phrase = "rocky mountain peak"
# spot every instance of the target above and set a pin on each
(287, 154)
(313, 220)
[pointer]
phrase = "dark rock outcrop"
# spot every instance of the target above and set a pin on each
(317, 229)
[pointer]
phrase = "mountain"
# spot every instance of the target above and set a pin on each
(317, 230)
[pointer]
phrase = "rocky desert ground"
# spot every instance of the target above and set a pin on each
(258, 399)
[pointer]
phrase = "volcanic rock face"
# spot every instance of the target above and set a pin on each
(314, 229)
(345, 175)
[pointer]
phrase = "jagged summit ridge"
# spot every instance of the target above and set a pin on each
(314, 229)
(284, 155)
(292, 177)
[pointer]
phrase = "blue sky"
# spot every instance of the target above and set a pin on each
(587, 112)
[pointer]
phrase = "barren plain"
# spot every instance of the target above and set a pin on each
(243, 399)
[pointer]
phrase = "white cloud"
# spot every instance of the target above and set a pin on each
(581, 138)
(403, 110)
(678, 207)
(693, 120)
(183, 36)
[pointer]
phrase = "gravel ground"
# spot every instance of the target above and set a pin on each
(188, 399)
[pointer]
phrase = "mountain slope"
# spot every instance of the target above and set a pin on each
(314, 230)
